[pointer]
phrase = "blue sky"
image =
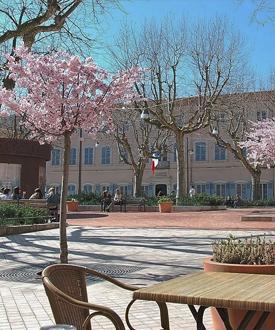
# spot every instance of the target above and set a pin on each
(260, 38)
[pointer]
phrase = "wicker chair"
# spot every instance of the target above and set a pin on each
(65, 286)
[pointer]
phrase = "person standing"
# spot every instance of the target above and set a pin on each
(192, 191)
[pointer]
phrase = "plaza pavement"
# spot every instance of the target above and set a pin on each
(139, 248)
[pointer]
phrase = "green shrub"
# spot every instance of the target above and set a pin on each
(164, 199)
(249, 251)
(201, 199)
(86, 198)
(151, 201)
(19, 214)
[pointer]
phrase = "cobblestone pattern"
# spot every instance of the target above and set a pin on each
(160, 253)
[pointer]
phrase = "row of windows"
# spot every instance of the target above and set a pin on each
(88, 156)
(219, 189)
(200, 155)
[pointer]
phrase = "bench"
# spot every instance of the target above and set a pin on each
(36, 203)
(140, 202)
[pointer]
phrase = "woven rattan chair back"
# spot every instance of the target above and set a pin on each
(71, 280)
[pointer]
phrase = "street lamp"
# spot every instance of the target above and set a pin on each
(215, 131)
(144, 115)
(81, 139)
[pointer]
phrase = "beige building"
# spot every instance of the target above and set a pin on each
(209, 168)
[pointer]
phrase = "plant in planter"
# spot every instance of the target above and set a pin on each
(72, 204)
(251, 255)
(165, 204)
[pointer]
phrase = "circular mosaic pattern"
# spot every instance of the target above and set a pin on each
(30, 274)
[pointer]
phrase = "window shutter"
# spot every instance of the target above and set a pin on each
(97, 189)
(269, 190)
(151, 190)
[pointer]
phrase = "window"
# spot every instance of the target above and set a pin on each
(71, 189)
(200, 188)
(220, 153)
(220, 189)
(72, 160)
(200, 148)
(264, 194)
(55, 157)
(87, 188)
(261, 115)
(242, 190)
(105, 155)
(88, 156)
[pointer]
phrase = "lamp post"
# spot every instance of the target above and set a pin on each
(189, 152)
(81, 139)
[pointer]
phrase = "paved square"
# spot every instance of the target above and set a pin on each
(137, 255)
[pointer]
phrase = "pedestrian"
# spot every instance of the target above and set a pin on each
(192, 191)
(53, 200)
(37, 194)
(16, 194)
(118, 198)
(5, 195)
(106, 201)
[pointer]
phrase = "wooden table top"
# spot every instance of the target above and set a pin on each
(218, 289)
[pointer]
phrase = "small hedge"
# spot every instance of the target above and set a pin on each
(11, 214)
(86, 198)
(201, 200)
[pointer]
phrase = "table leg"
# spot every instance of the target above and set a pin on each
(245, 321)
(224, 316)
(198, 316)
(261, 321)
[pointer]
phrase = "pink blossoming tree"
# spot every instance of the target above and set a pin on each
(57, 94)
(260, 143)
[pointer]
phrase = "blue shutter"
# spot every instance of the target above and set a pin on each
(130, 190)
(150, 190)
(207, 188)
(269, 190)
(248, 191)
(227, 189)
(114, 187)
(97, 189)
(232, 190)
(212, 189)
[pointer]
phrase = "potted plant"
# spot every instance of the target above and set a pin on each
(165, 204)
(233, 255)
(72, 205)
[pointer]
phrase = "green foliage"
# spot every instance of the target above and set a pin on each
(86, 198)
(201, 199)
(164, 199)
(249, 251)
(19, 214)
(264, 202)
(151, 201)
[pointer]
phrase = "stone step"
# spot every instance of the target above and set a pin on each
(258, 217)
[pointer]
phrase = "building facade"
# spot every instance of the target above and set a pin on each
(209, 168)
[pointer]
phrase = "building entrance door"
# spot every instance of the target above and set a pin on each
(161, 187)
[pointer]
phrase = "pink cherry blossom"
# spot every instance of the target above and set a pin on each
(57, 94)
(260, 143)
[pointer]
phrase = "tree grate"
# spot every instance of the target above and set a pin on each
(30, 274)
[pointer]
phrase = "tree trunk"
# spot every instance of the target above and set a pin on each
(63, 206)
(256, 188)
(138, 176)
(181, 184)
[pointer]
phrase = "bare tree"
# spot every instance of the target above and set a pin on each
(137, 140)
(181, 62)
(229, 127)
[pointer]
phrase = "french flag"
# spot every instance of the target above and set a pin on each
(154, 164)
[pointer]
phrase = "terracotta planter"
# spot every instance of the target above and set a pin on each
(236, 315)
(72, 206)
(165, 207)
